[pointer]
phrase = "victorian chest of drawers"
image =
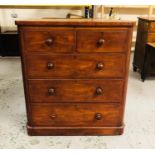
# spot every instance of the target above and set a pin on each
(75, 75)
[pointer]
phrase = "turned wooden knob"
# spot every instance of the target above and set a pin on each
(49, 41)
(53, 116)
(50, 65)
(101, 41)
(98, 116)
(99, 91)
(99, 66)
(51, 91)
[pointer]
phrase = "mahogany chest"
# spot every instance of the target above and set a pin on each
(145, 34)
(75, 75)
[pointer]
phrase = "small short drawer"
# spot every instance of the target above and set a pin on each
(102, 40)
(73, 115)
(48, 40)
(75, 90)
(76, 66)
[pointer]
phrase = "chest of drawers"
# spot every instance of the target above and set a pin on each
(75, 75)
(145, 34)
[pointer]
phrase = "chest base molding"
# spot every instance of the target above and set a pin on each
(74, 131)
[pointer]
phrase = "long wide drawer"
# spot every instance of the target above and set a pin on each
(48, 40)
(71, 114)
(75, 90)
(102, 40)
(75, 66)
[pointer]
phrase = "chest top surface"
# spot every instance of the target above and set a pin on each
(148, 18)
(74, 22)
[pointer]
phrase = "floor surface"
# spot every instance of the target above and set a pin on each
(139, 116)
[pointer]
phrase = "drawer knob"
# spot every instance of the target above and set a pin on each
(99, 91)
(53, 116)
(50, 65)
(101, 42)
(49, 41)
(100, 66)
(98, 116)
(51, 91)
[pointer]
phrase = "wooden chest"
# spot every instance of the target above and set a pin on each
(75, 75)
(145, 34)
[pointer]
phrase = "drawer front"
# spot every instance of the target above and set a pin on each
(151, 37)
(152, 27)
(94, 114)
(75, 66)
(102, 40)
(75, 90)
(49, 40)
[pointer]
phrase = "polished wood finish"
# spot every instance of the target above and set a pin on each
(145, 34)
(48, 40)
(75, 90)
(75, 75)
(76, 22)
(102, 40)
(58, 115)
(75, 66)
(74, 131)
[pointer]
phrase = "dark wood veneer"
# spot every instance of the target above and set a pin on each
(75, 90)
(76, 115)
(75, 75)
(145, 34)
(102, 40)
(76, 66)
(48, 40)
